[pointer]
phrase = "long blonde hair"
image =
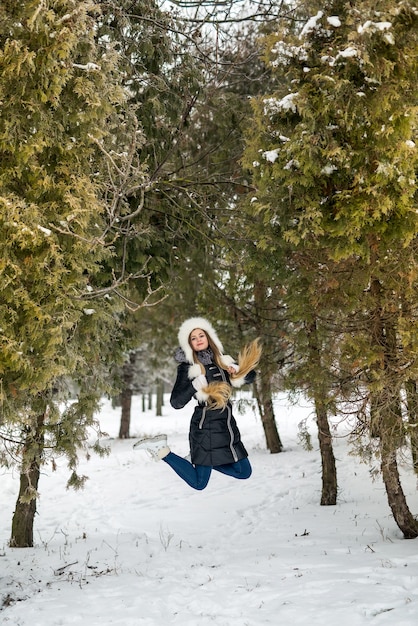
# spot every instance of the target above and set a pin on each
(248, 358)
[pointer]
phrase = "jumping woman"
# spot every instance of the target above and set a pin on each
(207, 375)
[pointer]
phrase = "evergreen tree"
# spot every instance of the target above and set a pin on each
(161, 81)
(335, 169)
(60, 92)
(202, 215)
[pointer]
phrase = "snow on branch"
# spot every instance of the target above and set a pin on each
(88, 67)
(274, 105)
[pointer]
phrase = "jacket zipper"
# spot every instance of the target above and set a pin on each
(228, 422)
(202, 419)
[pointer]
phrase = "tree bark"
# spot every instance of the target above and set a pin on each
(395, 494)
(24, 515)
(329, 472)
(319, 392)
(389, 419)
(265, 406)
(126, 396)
(160, 394)
(262, 386)
(412, 404)
(125, 420)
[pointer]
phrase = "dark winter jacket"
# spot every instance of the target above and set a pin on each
(214, 436)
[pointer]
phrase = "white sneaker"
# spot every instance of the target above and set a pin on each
(155, 446)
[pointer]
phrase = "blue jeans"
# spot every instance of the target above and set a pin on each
(197, 476)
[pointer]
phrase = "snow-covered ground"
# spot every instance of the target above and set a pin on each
(138, 547)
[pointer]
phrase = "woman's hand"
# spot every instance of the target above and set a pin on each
(199, 382)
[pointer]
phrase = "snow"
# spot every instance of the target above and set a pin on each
(46, 231)
(273, 105)
(334, 20)
(328, 169)
(347, 53)
(286, 51)
(311, 24)
(88, 67)
(373, 26)
(138, 547)
(271, 155)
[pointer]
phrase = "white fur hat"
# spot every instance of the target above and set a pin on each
(188, 326)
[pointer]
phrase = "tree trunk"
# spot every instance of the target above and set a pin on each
(329, 472)
(160, 393)
(374, 419)
(24, 515)
(126, 395)
(319, 393)
(412, 404)
(125, 420)
(262, 387)
(391, 437)
(389, 419)
(396, 497)
(265, 406)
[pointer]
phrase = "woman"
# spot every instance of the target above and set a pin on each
(208, 375)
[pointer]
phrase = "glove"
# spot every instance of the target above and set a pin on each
(199, 382)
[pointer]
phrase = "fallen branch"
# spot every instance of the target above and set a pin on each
(62, 569)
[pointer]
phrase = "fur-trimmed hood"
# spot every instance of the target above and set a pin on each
(184, 333)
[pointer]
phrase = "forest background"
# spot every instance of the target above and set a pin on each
(252, 162)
